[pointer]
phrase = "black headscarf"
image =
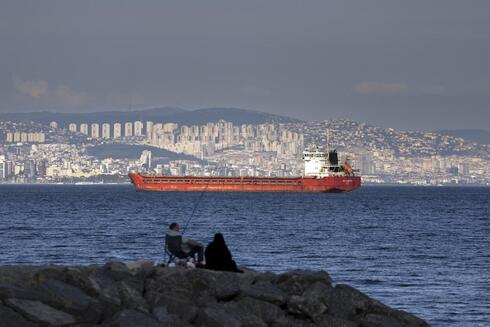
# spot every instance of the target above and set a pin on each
(218, 256)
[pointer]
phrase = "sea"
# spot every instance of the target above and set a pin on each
(425, 250)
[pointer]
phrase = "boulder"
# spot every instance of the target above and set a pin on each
(132, 297)
(182, 307)
(83, 281)
(265, 311)
(168, 319)
(265, 291)
(132, 318)
(117, 270)
(9, 318)
(216, 317)
(66, 296)
(295, 282)
(141, 268)
(40, 313)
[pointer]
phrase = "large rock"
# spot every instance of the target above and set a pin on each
(295, 282)
(132, 318)
(167, 319)
(266, 291)
(9, 318)
(216, 317)
(40, 312)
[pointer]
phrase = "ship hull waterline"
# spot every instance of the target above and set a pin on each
(244, 184)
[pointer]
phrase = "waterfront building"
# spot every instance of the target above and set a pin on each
(84, 128)
(9, 137)
(128, 129)
(95, 130)
(3, 167)
(117, 130)
(149, 129)
(72, 127)
(170, 127)
(106, 131)
(138, 128)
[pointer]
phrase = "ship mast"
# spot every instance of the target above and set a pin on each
(328, 139)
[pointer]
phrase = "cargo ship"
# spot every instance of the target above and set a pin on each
(323, 173)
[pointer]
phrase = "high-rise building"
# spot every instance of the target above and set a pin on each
(106, 130)
(138, 128)
(149, 129)
(53, 125)
(3, 167)
(128, 129)
(17, 137)
(117, 130)
(72, 127)
(30, 168)
(9, 137)
(84, 129)
(94, 130)
(170, 127)
(23, 137)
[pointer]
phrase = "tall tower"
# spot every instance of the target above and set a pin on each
(117, 130)
(84, 129)
(106, 131)
(72, 127)
(138, 128)
(128, 129)
(95, 130)
(149, 129)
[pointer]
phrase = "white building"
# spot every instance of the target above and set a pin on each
(149, 129)
(95, 130)
(138, 128)
(117, 130)
(106, 131)
(72, 127)
(128, 129)
(84, 128)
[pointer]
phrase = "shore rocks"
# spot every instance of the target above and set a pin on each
(141, 294)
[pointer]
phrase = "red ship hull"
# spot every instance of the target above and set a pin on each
(245, 184)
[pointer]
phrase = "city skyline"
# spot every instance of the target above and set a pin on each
(411, 66)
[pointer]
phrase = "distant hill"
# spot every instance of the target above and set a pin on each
(234, 115)
(63, 119)
(166, 114)
(473, 135)
(128, 151)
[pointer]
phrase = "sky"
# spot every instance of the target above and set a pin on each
(412, 65)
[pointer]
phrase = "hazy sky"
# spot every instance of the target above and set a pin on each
(406, 64)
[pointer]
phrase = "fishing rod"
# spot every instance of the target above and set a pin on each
(195, 208)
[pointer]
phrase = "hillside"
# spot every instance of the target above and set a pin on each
(166, 114)
(473, 135)
(352, 134)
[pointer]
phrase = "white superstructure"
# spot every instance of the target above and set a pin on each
(322, 164)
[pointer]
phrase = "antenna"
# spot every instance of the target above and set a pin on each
(328, 139)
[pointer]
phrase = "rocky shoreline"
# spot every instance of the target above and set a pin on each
(140, 294)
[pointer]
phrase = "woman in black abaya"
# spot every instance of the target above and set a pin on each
(218, 257)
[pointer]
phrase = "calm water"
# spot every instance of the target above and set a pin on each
(425, 250)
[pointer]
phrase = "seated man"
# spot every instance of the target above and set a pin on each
(188, 247)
